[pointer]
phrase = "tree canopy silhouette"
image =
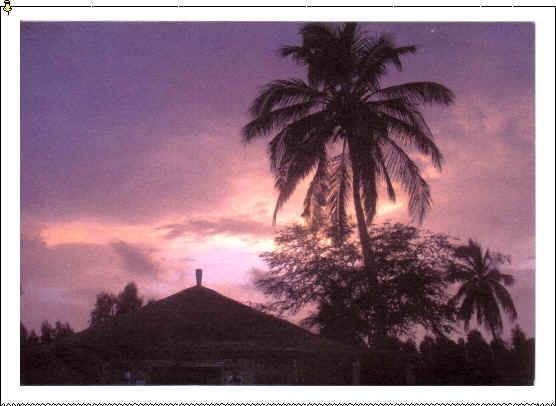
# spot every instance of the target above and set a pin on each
(49, 333)
(108, 305)
(129, 300)
(308, 267)
(104, 309)
(348, 130)
(310, 271)
(482, 291)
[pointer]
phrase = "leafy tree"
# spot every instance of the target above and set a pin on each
(503, 360)
(304, 268)
(109, 305)
(62, 330)
(349, 130)
(338, 318)
(523, 350)
(104, 309)
(480, 360)
(47, 333)
(308, 267)
(483, 286)
(23, 336)
(441, 361)
(33, 338)
(128, 300)
(449, 360)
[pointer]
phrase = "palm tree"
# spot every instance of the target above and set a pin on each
(347, 130)
(483, 287)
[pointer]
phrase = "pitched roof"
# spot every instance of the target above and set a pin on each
(197, 323)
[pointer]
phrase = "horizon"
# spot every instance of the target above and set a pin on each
(132, 165)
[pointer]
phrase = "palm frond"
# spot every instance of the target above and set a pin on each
(458, 273)
(495, 258)
(499, 277)
(466, 310)
(419, 92)
(368, 187)
(399, 51)
(482, 284)
(299, 136)
(383, 174)
(348, 33)
(294, 154)
(317, 34)
(296, 52)
(491, 313)
(398, 107)
(283, 93)
(374, 58)
(407, 125)
(289, 176)
(321, 49)
(470, 253)
(316, 197)
(265, 123)
(407, 173)
(340, 184)
(414, 135)
(505, 300)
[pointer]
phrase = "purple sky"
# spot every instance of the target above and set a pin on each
(132, 167)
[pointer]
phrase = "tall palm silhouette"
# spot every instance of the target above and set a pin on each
(483, 287)
(347, 130)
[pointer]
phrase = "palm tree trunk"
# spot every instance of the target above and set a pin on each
(377, 336)
(362, 224)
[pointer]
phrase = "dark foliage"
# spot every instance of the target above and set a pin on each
(349, 132)
(108, 305)
(308, 267)
(311, 269)
(33, 338)
(105, 308)
(23, 335)
(482, 291)
(442, 361)
(62, 330)
(48, 335)
(344, 103)
(129, 300)
(194, 324)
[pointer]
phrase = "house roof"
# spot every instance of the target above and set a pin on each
(199, 323)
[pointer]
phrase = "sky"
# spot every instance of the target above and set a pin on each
(133, 168)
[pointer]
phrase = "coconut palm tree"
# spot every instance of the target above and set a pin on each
(483, 287)
(347, 130)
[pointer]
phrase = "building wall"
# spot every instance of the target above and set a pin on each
(242, 371)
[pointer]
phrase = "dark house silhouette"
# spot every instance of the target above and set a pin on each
(195, 336)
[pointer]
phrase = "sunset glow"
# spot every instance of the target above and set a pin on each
(132, 165)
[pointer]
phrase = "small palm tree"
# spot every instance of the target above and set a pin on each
(483, 287)
(347, 129)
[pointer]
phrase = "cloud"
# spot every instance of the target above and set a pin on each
(60, 282)
(55, 266)
(234, 226)
(135, 260)
(135, 169)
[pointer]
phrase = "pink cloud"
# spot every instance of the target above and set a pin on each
(113, 164)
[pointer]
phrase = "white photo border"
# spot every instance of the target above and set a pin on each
(542, 391)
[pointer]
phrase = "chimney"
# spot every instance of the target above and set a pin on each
(199, 276)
